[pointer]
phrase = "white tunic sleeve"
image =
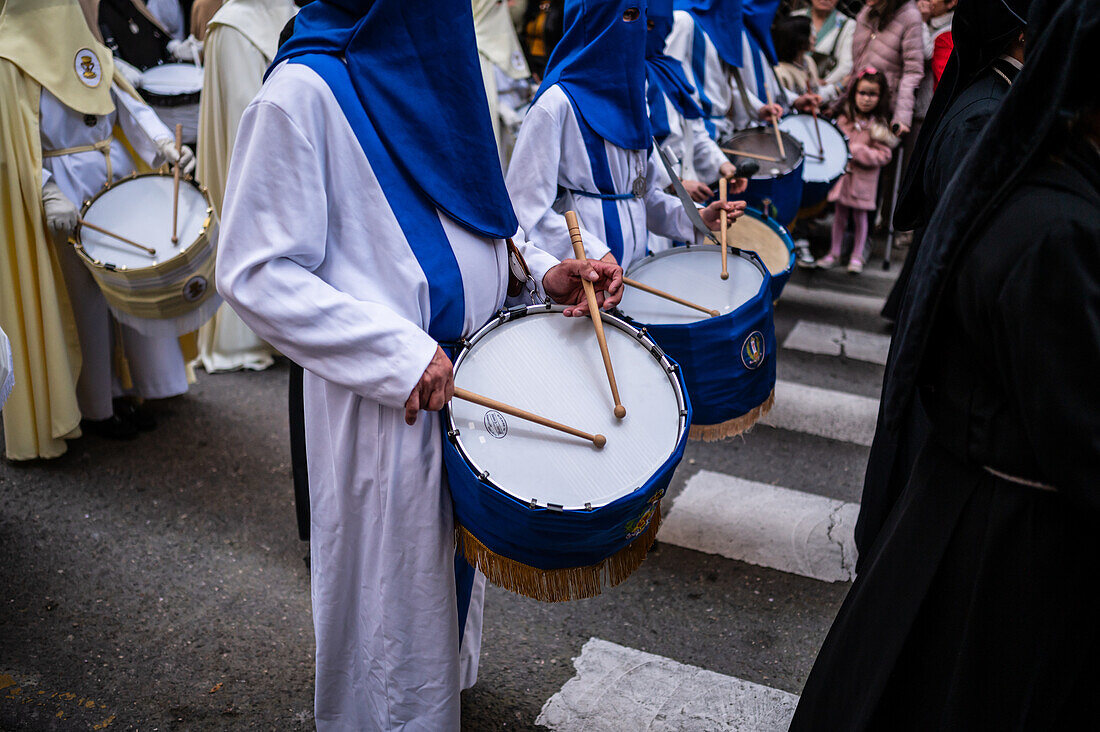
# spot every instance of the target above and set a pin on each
(665, 215)
(707, 155)
(142, 127)
(273, 237)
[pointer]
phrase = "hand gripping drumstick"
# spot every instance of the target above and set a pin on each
(722, 191)
(468, 396)
(594, 310)
(176, 185)
(669, 296)
(775, 125)
(152, 252)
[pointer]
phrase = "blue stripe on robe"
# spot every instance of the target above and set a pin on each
(757, 69)
(699, 72)
(415, 213)
(601, 176)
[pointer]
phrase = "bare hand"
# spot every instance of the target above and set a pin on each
(435, 388)
(564, 286)
(770, 112)
(808, 102)
(712, 215)
(699, 192)
(901, 130)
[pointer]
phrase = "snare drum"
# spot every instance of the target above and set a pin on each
(755, 232)
(825, 163)
(171, 292)
(776, 184)
(173, 90)
(728, 361)
(549, 515)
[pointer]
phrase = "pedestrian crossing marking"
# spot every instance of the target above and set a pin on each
(765, 525)
(820, 298)
(823, 412)
(832, 340)
(620, 689)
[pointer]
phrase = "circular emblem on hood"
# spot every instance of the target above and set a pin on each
(87, 68)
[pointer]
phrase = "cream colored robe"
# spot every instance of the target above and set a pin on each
(241, 40)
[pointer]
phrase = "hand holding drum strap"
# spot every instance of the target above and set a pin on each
(594, 310)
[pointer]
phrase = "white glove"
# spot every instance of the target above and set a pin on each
(61, 213)
(186, 160)
(186, 51)
(509, 117)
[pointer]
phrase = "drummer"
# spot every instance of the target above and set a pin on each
(354, 239)
(585, 144)
(84, 132)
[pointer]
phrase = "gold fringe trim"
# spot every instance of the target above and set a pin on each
(732, 427)
(557, 585)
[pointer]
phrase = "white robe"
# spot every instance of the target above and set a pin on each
(313, 259)
(241, 41)
(753, 60)
(7, 370)
(694, 154)
(550, 160)
(156, 363)
(169, 14)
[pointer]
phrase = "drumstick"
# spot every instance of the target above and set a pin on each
(469, 396)
(152, 252)
(754, 156)
(775, 124)
(722, 183)
(817, 131)
(594, 311)
(669, 296)
(176, 185)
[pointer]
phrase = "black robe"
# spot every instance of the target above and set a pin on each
(892, 454)
(977, 606)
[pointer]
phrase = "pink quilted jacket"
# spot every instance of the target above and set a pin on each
(897, 50)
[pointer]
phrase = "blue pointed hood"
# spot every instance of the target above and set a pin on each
(414, 69)
(664, 74)
(758, 16)
(721, 21)
(600, 64)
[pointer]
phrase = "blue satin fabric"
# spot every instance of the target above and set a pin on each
(758, 16)
(413, 68)
(721, 21)
(600, 65)
(721, 385)
(665, 75)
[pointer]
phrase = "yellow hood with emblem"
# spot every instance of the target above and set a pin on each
(50, 41)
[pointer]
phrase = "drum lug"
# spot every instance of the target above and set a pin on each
(683, 412)
(556, 508)
(588, 507)
(483, 476)
(534, 503)
(452, 435)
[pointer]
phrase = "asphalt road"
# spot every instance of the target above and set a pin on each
(160, 584)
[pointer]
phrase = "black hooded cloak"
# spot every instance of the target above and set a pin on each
(976, 606)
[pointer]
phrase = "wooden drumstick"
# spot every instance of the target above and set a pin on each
(669, 296)
(775, 124)
(468, 396)
(152, 252)
(176, 184)
(817, 131)
(594, 311)
(754, 156)
(722, 191)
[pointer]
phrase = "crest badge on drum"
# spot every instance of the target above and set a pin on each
(752, 350)
(87, 68)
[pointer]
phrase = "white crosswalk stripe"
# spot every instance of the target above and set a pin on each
(824, 298)
(832, 340)
(765, 525)
(620, 689)
(823, 412)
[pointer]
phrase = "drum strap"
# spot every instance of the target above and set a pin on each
(685, 199)
(741, 90)
(103, 146)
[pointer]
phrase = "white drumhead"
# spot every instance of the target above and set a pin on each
(140, 209)
(168, 79)
(692, 273)
(551, 365)
(822, 166)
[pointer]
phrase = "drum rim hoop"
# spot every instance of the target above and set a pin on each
(505, 315)
(752, 257)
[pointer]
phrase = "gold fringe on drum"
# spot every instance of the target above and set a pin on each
(557, 585)
(732, 427)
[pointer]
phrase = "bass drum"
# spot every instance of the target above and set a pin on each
(825, 162)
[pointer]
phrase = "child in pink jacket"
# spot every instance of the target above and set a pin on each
(864, 119)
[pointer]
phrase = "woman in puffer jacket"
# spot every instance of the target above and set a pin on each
(888, 37)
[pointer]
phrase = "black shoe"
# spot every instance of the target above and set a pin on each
(139, 416)
(113, 428)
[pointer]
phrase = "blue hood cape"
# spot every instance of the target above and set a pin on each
(665, 75)
(414, 71)
(758, 16)
(600, 65)
(721, 21)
